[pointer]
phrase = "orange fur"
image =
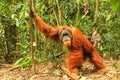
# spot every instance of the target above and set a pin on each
(79, 49)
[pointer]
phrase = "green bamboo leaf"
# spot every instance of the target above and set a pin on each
(18, 61)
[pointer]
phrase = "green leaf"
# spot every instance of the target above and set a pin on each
(79, 2)
(115, 6)
(108, 0)
(27, 62)
(18, 61)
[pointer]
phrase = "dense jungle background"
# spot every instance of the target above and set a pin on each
(24, 51)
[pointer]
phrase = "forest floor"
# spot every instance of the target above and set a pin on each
(48, 71)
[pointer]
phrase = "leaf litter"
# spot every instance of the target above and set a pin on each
(51, 71)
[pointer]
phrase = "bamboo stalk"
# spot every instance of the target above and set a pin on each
(31, 40)
(96, 12)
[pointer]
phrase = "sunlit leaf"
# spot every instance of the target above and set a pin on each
(18, 61)
(18, 5)
(108, 0)
(12, 16)
(108, 17)
(77, 1)
(115, 5)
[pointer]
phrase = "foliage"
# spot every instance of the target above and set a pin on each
(109, 27)
(23, 62)
(55, 13)
(115, 4)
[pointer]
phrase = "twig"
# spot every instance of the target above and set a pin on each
(15, 67)
(73, 76)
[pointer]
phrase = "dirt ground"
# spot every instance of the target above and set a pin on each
(49, 71)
